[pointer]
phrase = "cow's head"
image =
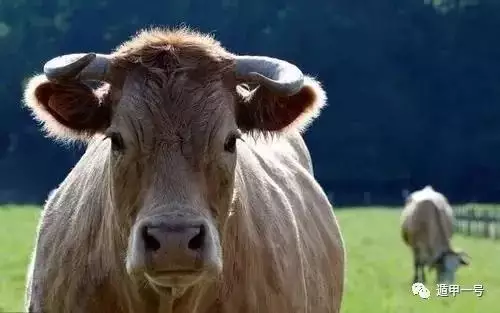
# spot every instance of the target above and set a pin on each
(447, 264)
(171, 110)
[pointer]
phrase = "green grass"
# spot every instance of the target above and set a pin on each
(17, 231)
(380, 270)
(379, 266)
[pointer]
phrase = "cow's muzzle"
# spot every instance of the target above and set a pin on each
(173, 252)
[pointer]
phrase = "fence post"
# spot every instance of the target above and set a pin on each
(486, 223)
(463, 220)
(470, 216)
(496, 222)
(457, 220)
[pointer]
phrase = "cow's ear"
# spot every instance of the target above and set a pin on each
(463, 257)
(263, 110)
(69, 111)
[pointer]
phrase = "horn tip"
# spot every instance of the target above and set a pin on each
(67, 65)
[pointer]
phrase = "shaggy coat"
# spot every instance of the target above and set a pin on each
(168, 134)
(427, 228)
(427, 223)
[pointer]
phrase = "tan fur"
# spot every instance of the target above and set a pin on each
(39, 87)
(281, 246)
(420, 225)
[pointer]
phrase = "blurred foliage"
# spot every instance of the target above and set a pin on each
(413, 85)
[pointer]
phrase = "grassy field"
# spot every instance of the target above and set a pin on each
(17, 231)
(379, 267)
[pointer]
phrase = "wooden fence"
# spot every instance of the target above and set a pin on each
(471, 221)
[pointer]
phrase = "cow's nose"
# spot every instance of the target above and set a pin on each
(170, 246)
(188, 237)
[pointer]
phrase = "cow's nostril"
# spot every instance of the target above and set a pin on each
(196, 243)
(150, 242)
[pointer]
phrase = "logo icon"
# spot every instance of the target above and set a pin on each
(421, 290)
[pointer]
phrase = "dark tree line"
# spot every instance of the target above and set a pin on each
(413, 85)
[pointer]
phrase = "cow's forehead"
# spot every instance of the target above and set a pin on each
(174, 79)
(153, 109)
(173, 96)
(174, 52)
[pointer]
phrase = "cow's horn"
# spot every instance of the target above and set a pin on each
(277, 75)
(79, 66)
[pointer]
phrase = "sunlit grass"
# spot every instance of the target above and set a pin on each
(17, 231)
(379, 266)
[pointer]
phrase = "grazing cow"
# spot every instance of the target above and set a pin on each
(427, 227)
(195, 193)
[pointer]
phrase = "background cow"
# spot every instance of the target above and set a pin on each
(195, 194)
(427, 227)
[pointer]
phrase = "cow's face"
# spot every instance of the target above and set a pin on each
(180, 137)
(172, 113)
(447, 264)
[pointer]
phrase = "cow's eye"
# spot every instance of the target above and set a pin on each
(117, 143)
(230, 143)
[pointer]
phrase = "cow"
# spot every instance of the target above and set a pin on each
(427, 228)
(196, 190)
